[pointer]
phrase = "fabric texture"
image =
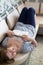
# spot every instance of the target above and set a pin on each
(12, 18)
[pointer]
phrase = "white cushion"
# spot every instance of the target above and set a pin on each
(3, 29)
(12, 18)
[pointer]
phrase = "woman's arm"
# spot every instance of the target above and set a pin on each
(26, 38)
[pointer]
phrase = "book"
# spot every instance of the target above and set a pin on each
(20, 33)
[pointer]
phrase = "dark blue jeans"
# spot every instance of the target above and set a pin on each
(27, 16)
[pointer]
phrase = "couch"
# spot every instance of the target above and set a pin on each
(20, 59)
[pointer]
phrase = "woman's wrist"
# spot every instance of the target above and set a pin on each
(29, 39)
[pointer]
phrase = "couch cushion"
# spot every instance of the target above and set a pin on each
(12, 18)
(3, 29)
(20, 8)
(35, 5)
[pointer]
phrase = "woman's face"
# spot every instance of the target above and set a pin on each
(11, 52)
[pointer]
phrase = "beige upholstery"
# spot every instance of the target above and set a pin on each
(12, 18)
(3, 29)
(41, 12)
(35, 5)
(20, 7)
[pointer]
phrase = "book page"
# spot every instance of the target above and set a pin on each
(20, 33)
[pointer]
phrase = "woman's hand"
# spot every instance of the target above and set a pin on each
(11, 52)
(27, 38)
(34, 42)
(10, 33)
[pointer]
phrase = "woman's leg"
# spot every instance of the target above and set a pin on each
(31, 17)
(23, 14)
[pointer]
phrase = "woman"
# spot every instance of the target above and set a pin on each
(23, 44)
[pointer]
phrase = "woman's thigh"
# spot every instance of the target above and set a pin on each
(31, 17)
(22, 17)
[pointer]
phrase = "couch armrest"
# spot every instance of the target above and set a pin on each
(37, 27)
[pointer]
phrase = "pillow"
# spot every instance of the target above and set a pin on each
(12, 18)
(3, 29)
